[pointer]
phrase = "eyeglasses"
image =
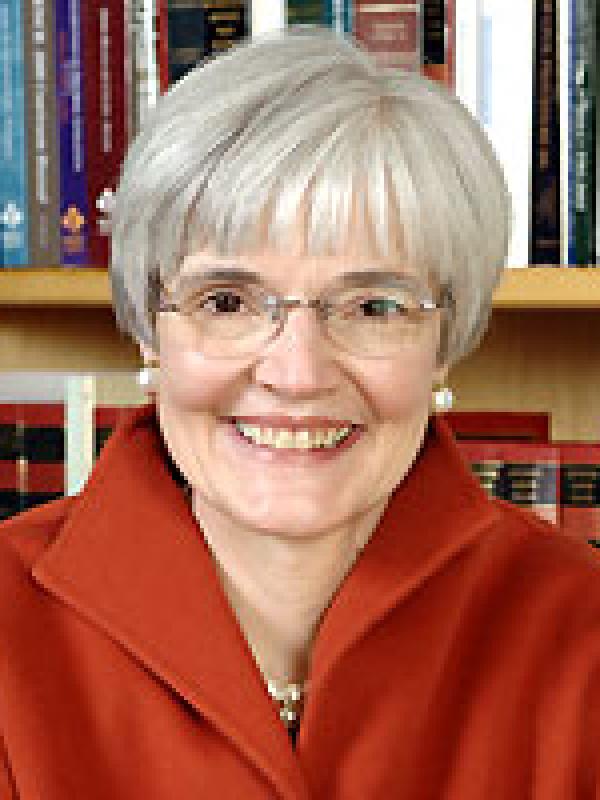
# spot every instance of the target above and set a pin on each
(226, 319)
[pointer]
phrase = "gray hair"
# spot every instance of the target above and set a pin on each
(306, 114)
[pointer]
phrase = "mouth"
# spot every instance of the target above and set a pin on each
(286, 445)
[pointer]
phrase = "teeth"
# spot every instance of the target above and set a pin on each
(301, 440)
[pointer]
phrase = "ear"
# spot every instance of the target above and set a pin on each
(147, 353)
(440, 375)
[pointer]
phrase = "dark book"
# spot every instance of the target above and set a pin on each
(545, 249)
(199, 29)
(103, 29)
(438, 41)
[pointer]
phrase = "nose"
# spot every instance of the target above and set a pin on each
(300, 361)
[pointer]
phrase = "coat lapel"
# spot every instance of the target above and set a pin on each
(131, 557)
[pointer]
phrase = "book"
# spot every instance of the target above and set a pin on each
(142, 70)
(524, 473)
(32, 455)
(468, 35)
(580, 490)
(438, 37)
(14, 222)
(582, 246)
(42, 140)
(498, 426)
(391, 32)
(103, 29)
(199, 29)
(545, 245)
(73, 208)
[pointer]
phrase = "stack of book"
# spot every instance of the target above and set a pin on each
(509, 453)
(79, 77)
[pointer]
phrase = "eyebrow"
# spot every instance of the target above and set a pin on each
(368, 277)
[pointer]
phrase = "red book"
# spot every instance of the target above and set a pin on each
(390, 31)
(524, 473)
(580, 489)
(516, 426)
(162, 43)
(32, 455)
(103, 31)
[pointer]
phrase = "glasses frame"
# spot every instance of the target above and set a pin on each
(279, 305)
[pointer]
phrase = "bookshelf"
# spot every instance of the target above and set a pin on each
(539, 353)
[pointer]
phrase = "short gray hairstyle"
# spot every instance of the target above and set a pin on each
(306, 114)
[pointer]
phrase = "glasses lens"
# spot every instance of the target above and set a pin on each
(375, 321)
(229, 320)
(226, 320)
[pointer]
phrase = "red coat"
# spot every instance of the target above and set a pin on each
(459, 660)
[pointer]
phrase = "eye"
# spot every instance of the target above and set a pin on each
(222, 301)
(381, 306)
(376, 305)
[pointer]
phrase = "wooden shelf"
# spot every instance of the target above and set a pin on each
(529, 288)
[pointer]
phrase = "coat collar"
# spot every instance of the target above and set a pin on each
(131, 557)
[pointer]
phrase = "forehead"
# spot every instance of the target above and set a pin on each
(290, 267)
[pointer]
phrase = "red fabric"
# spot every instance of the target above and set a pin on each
(460, 658)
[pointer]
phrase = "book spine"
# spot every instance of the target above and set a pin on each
(338, 15)
(545, 175)
(187, 38)
(580, 496)
(42, 142)
(506, 106)
(468, 54)
(566, 37)
(14, 224)
(43, 456)
(450, 43)
(307, 12)
(162, 44)
(10, 447)
(104, 95)
(391, 31)
(141, 36)
(226, 23)
(71, 114)
(584, 146)
(433, 41)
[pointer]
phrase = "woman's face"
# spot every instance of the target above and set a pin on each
(298, 374)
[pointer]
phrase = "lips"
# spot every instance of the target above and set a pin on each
(295, 423)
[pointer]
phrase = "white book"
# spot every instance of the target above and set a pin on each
(267, 15)
(507, 47)
(468, 54)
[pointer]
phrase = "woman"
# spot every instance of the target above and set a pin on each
(286, 517)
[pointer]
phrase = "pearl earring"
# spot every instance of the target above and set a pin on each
(443, 399)
(146, 376)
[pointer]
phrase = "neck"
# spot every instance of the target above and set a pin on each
(279, 587)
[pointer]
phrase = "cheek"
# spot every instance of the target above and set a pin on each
(401, 389)
(193, 382)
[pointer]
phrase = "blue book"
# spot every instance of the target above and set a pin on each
(74, 218)
(14, 251)
(337, 14)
